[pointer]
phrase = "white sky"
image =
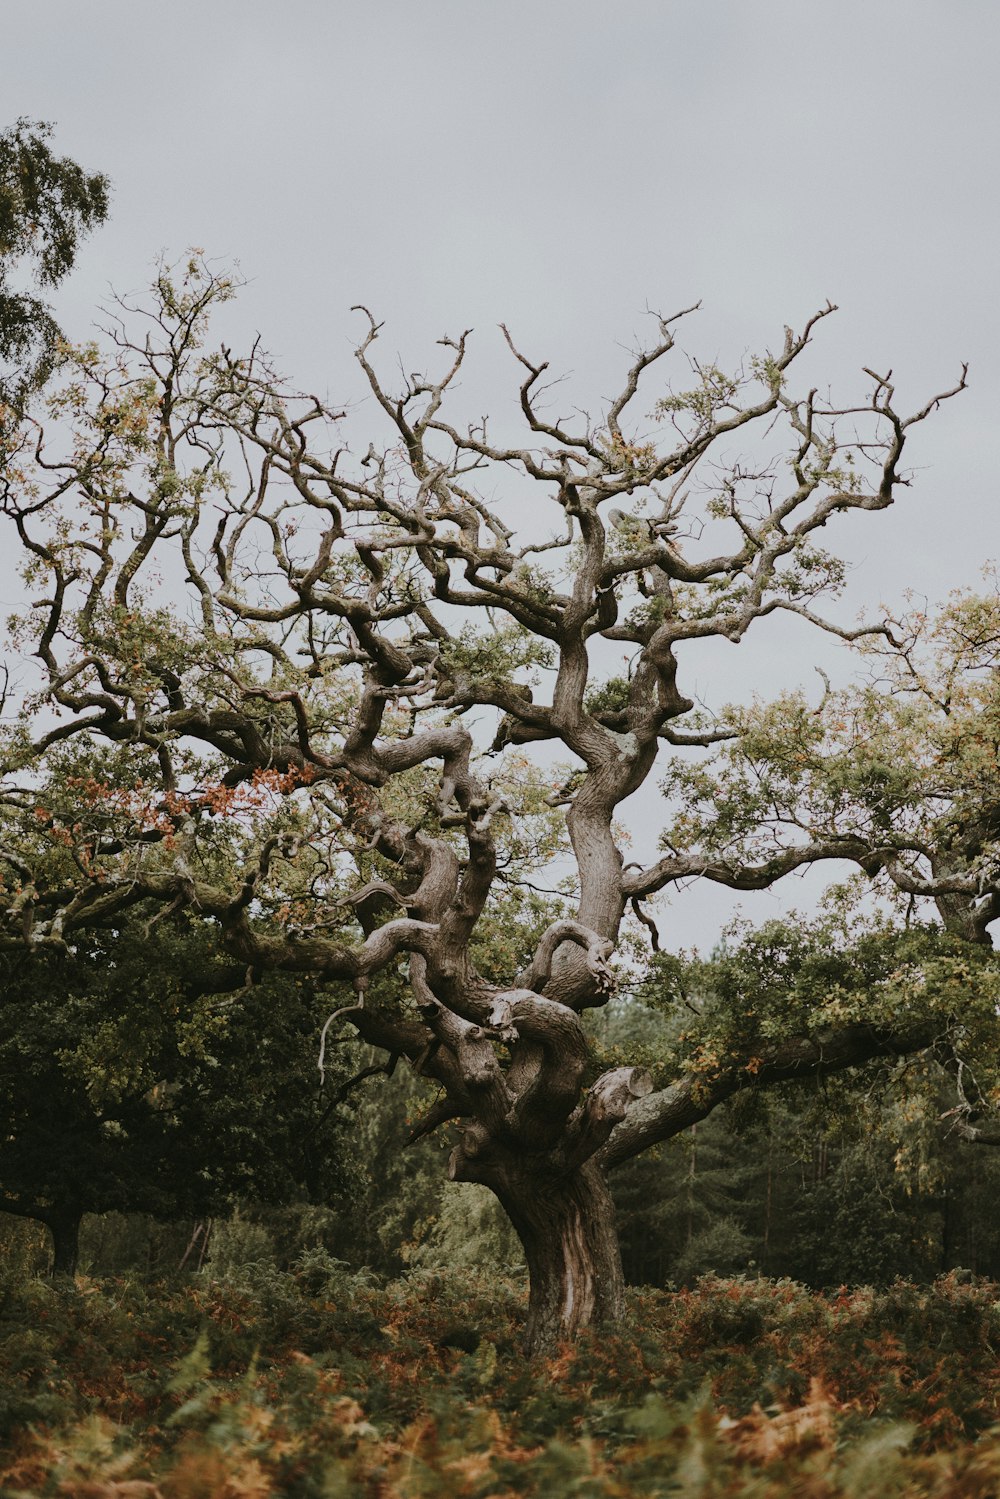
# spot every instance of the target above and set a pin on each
(560, 165)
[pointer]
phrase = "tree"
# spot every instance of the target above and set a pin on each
(273, 634)
(47, 203)
(896, 774)
(127, 1086)
(899, 776)
(932, 996)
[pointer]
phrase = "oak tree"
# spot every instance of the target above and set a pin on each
(382, 668)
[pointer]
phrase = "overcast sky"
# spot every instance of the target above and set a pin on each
(560, 165)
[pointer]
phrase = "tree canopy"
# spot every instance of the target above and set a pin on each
(269, 662)
(137, 1077)
(47, 204)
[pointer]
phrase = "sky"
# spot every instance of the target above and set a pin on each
(561, 167)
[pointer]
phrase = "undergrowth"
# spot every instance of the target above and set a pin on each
(322, 1382)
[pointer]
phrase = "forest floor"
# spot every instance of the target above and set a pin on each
(321, 1382)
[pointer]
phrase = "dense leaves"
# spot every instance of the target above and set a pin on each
(140, 1073)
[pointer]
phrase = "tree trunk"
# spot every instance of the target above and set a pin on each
(65, 1230)
(566, 1223)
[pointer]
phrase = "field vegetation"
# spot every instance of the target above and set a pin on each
(319, 1381)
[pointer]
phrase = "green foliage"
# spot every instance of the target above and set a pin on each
(396, 1189)
(469, 1232)
(902, 768)
(516, 916)
(508, 649)
(792, 977)
(608, 697)
(720, 1245)
(47, 203)
(131, 1083)
(855, 1177)
(317, 1382)
(715, 393)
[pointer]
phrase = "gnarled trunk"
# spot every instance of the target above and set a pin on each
(566, 1223)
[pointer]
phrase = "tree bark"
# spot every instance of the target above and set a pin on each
(65, 1230)
(566, 1224)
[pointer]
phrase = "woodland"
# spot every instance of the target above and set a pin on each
(348, 1052)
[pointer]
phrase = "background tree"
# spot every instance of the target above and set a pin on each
(341, 625)
(899, 775)
(856, 1177)
(47, 203)
(130, 1084)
